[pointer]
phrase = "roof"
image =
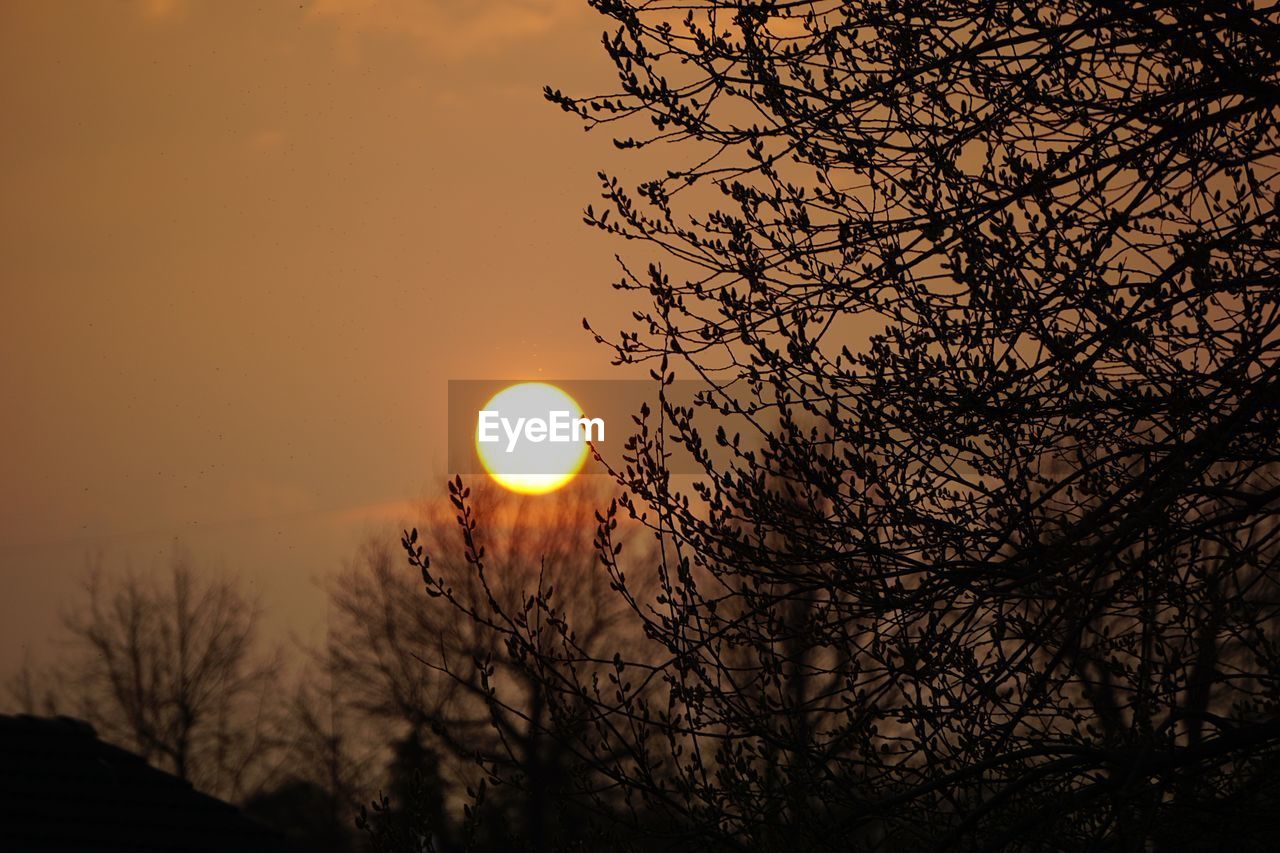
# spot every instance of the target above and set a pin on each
(63, 789)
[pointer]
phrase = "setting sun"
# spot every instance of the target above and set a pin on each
(530, 438)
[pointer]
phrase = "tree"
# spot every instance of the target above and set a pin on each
(307, 813)
(436, 677)
(323, 772)
(169, 667)
(985, 298)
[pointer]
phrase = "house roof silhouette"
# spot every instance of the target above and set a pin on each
(63, 789)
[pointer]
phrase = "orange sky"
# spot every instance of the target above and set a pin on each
(245, 244)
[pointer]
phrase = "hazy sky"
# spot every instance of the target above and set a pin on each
(244, 245)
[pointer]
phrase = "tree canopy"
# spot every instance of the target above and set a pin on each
(984, 550)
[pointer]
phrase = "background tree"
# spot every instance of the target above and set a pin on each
(306, 813)
(323, 765)
(437, 679)
(985, 296)
(168, 666)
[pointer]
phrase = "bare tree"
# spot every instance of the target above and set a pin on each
(322, 744)
(30, 690)
(169, 667)
(985, 297)
(440, 675)
(321, 768)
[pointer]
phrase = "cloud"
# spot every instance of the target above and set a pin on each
(453, 29)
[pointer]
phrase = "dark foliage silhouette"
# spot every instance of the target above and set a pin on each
(984, 555)
(308, 814)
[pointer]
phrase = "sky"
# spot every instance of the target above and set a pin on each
(243, 248)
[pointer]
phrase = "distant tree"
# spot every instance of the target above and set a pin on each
(443, 681)
(169, 666)
(410, 814)
(414, 780)
(984, 553)
(322, 765)
(30, 690)
(306, 813)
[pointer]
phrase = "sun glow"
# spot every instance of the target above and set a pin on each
(539, 463)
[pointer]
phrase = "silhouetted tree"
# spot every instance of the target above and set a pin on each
(985, 296)
(30, 690)
(168, 666)
(323, 758)
(443, 681)
(416, 789)
(309, 815)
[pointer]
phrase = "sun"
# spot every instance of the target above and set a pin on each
(519, 459)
